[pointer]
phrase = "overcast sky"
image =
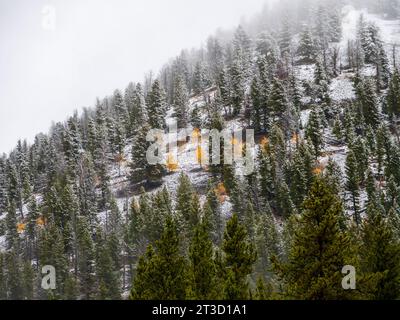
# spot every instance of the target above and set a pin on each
(59, 55)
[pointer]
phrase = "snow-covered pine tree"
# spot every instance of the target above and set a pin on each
(353, 185)
(306, 49)
(181, 102)
(156, 106)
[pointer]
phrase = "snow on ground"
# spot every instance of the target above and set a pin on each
(2, 243)
(389, 29)
(341, 88)
(304, 116)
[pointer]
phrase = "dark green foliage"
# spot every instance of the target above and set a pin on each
(239, 258)
(162, 274)
(319, 249)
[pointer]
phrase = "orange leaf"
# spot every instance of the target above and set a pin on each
(20, 227)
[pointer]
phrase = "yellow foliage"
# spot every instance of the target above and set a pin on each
(41, 221)
(295, 138)
(221, 192)
(319, 169)
(264, 142)
(172, 164)
(238, 149)
(196, 133)
(200, 157)
(234, 141)
(20, 227)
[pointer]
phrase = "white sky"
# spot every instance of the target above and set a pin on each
(95, 47)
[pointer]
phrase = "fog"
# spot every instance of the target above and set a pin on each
(58, 56)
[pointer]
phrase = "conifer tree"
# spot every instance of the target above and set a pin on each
(122, 113)
(267, 242)
(108, 277)
(162, 274)
(314, 131)
(156, 106)
(393, 95)
(181, 102)
(187, 206)
(240, 256)
(256, 100)
(278, 99)
(14, 282)
(369, 105)
(85, 258)
(200, 79)
(3, 287)
(321, 82)
(353, 185)
(28, 279)
(213, 216)
(380, 253)
(202, 269)
(285, 38)
(52, 252)
(306, 49)
(12, 237)
(312, 271)
(237, 78)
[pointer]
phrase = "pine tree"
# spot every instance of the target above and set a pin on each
(213, 216)
(139, 162)
(278, 100)
(162, 275)
(335, 25)
(72, 144)
(28, 279)
(14, 282)
(368, 101)
(242, 51)
(12, 237)
(161, 208)
(85, 258)
(240, 256)
(156, 106)
(108, 277)
(267, 240)
(187, 206)
(91, 137)
(3, 285)
(353, 185)
(314, 131)
(181, 102)
(321, 82)
(51, 251)
(306, 49)
(285, 38)
(256, 100)
(334, 176)
(380, 252)
(3, 191)
(393, 95)
(237, 77)
(202, 269)
(121, 112)
(200, 79)
(312, 272)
